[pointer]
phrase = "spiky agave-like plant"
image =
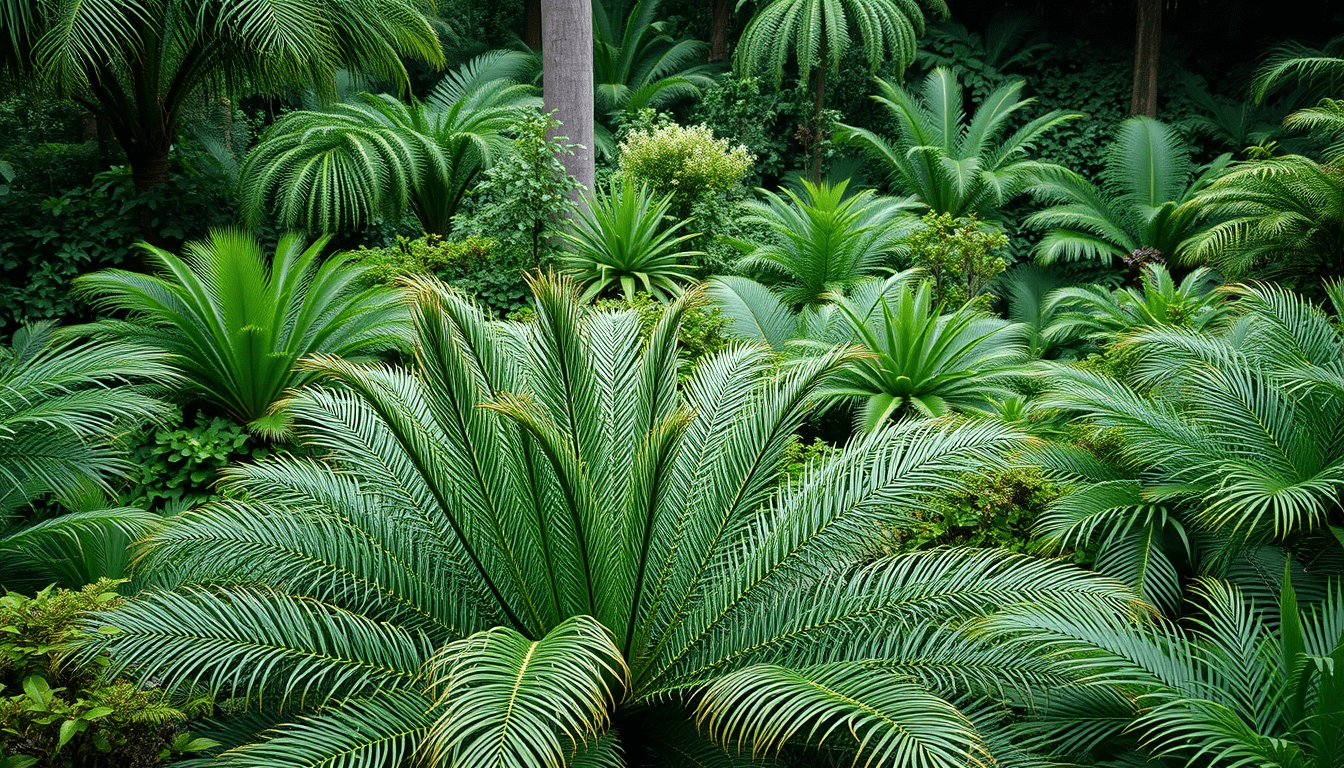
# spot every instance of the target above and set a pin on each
(622, 237)
(237, 322)
(950, 164)
(538, 548)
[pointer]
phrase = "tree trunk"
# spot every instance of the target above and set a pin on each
(532, 24)
(1147, 49)
(149, 169)
(817, 132)
(567, 80)
(718, 39)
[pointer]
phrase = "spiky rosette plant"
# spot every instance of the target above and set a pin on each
(537, 547)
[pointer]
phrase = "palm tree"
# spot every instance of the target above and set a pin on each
(823, 241)
(63, 408)
(638, 64)
(818, 33)
(1141, 209)
(341, 168)
(1157, 301)
(1280, 215)
(1248, 681)
(237, 323)
(137, 65)
(950, 165)
(537, 547)
(623, 237)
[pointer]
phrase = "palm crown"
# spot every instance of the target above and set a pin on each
(951, 165)
(537, 547)
(341, 168)
(1142, 203)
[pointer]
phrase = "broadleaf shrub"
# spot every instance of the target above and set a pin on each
(476, 265)
(687, 163)
(59, 710)
(960, 255)
(997, 509)
(178, 465)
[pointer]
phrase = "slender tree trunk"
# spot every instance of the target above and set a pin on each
(820, 93)
(567, 79)
(532, 24)
(1147, 49)
(718, 39)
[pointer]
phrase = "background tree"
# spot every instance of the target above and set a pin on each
(567, 83)
(136, 65)
(819, 32)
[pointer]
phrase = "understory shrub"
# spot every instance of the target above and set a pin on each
(57, 708)
(476, 265)
(177, 465)
(701, 332)
(687, 163)
(960, 255)
(997, 509)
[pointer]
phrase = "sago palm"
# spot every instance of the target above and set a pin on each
(623, 237)
(950, 164)
(139, 65)
(1141, 204)
(63, 408)
(1283, 216)
(824, 241)
(1157, 301)
(341, 168)
(1240, 682)
(638, 63)
(237, 323)
(1237, 426)
(538, 548)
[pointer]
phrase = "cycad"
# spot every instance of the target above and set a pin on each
(1283, 216)
(237, 323)
(1241, 682)
(63, 407)
(376, 156)
(538, 548)
(1233, 434)
(818, 33)
(951, 165)
(1158, 300)
(824, 241)
(623, 237)
(1140, 207)
(638, 64)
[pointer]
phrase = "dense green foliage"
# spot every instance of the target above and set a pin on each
(894, 397)
(53, 713)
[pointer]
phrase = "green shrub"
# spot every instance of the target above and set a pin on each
(57, 709)
(687, 163)
(800, 455)
(758, 120)
(960, 255)
(476, 265)
(524, 199)
(997, 509)
(178, 465)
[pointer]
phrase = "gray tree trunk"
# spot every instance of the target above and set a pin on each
(567, 79)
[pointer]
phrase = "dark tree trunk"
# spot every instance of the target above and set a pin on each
(532, 24)
(567, 80)
(718, 39)
(818, 133)
(1147, 49)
